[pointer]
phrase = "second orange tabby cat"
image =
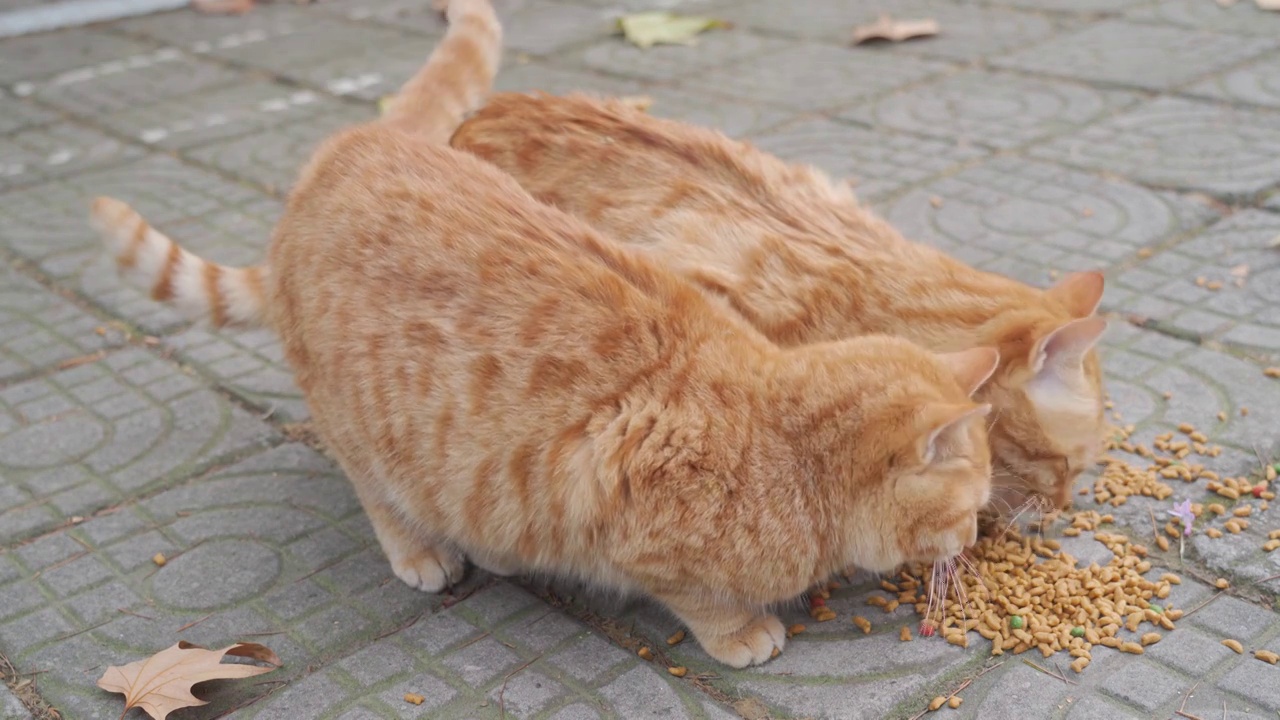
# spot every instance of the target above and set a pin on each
(798, 257)
(501, 382)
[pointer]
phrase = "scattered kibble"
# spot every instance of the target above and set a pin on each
(1214, 533)
(680, 671)
(645, 653)
(954, 702)
(863, 623)
(1221, 584)
(904, 634)
(159, 559)
(1150, 638)
(1272, 372)
(776, 652)
(936, 703)
(1162, 542)
(795, 630)
(679, 636)
(1271, 545)
(1267, 656)
(1132, 648)
(1234, 645)
(1079, 664)
(414, 698)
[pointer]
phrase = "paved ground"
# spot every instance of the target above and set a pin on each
(1032, 137)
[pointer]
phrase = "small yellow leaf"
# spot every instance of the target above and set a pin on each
(162, 683)
(886, 28)
(663, 28)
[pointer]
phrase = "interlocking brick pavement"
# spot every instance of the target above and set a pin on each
(1031, 138)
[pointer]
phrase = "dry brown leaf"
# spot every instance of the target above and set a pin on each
(1273, 5)
(886, 28)
(162, 683)
(222, 7)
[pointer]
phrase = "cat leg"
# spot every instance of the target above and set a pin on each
(728, 633)
(419, 561)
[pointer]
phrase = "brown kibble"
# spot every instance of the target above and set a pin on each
(955, 700)
(795, 630)
(1214, 533)
(936, 703)
(1171, 579)
(1242, 511)
(1234, 645)
(1227, 492)
(1244, 411)
(679, 635)
(1071, 531)
(1222, 417)
(1273, 535)
(1150, 638)
(904, 634)
(1232, 527)
(645, 653)
(414, 698)
(1162, 542)
(1132, 648)
(1271, 545)
(891, 606)
(1213, 285)
(1221, 584)
(877, 600)
(776, 652)
(960, 639)
(1217, 509)
(159, 559)
(1145, 252)
(935, 201)
(1174, 614)
(1079, 664)
(1272, 372)
(1168, 395)
(679, 671)
(1270, 473)
(1267, 656)
(863, 623)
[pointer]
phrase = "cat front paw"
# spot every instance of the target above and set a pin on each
(430, 569)
(752, 644)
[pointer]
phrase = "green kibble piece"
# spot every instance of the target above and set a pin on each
(1156, 609)
(1016, 622)
(1077, 631)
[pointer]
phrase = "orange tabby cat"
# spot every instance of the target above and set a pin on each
(500, 381)
(803, 262)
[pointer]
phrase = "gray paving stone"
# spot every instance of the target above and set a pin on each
(812, 77)
(135, 82)
(35, 57)
(436, 692)
(1254, 680)
(1017, 690)
(714, 49)
(526, 693)
(1089, 7)
(538, 76)
(1095, 707)
(590, 657)
(111, 455)
(1234, 618)
(250, 363)
(1243, 18)
(39, 329)
(18, 114)
(1256, 83)
(1179, 143)
(1000, 110)
(10, 707)
(1147, 56)
(1243, 314)
(878, 163)
(638, 693)
(735, 119)
(34, 155)
(49, 225)
(544, 27)
(480, 662)
(972, 31)
(1144, 685)
(1190, 650)
(1025, 219)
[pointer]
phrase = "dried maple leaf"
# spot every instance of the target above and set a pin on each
(162, 683)
(886, 28)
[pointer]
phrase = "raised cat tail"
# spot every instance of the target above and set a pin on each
(456, 78)
(225, 295)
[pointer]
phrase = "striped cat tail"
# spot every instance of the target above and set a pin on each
(456, 78)
(199, 288)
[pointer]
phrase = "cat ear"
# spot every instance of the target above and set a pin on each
(944, 429)
(972, 367)
(1061, 353)
(1079, 292)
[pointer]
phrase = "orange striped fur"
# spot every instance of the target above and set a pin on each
(798, 257)
(501, 382)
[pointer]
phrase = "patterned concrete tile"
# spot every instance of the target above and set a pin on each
(1244, 311)
(59, 149)
(735, 119)
(35, 57)
(1000, 110)
(1242, 18)
(39, 329)
(1089, 7)
(1178, 143)
(878, 163)
(540, 77)
(19, 114)
(220, 113)
(972, 31)
(806, 77)
(132, 83)
(1257, 83)
(418, 17)
(712, 50)
(272, 158)
(91, 436)
(1027, 219)
(250, 363)
(1156, 57)
(48, 225)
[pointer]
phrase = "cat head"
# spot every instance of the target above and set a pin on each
(1049, 425)
(924, 464)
